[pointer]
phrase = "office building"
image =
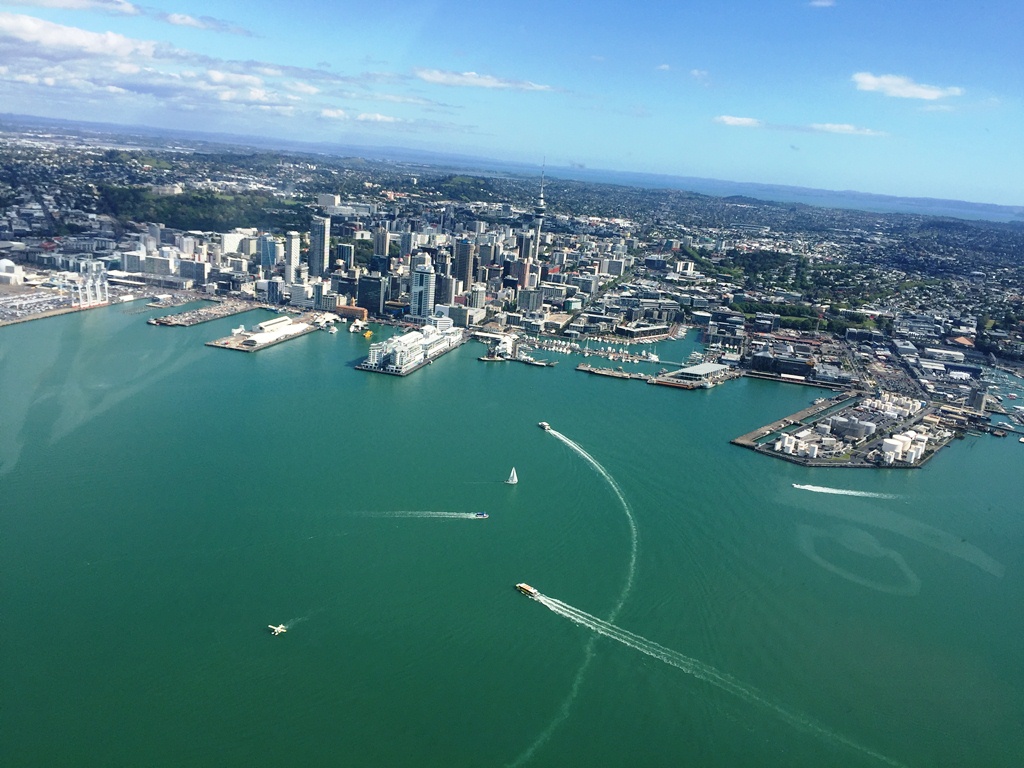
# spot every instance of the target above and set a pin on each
(421, 288)
(319, 245)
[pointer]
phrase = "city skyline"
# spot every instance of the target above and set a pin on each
(916, 100)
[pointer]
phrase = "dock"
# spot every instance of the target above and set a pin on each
(750, 439)
(615, 373)
(270, 333)
(192, 317)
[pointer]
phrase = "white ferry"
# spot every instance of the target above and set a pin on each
(527, 590)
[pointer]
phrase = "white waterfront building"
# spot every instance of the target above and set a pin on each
(403, 354)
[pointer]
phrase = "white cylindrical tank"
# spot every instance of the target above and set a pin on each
(890, 445)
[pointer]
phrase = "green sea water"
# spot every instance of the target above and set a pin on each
(162, 502)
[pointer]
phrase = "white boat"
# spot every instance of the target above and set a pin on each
(512, 479)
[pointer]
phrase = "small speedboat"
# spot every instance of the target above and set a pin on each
(481, 515)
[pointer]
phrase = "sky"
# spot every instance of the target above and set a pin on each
(909, 98)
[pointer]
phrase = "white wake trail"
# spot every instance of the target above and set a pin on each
(844, 492)
(426, 514)
(709, 674)
(588, 650)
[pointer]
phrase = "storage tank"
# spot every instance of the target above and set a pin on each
(822, 428)
(889, 445)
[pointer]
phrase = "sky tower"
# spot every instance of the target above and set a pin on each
(538, 220)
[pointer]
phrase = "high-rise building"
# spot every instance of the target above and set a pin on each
(465, 251)
(319, 245)
(381, 240)
(373, 293)
(292, 245)
(478, 295)
(347, 253)
(267, 246)
(421, 288)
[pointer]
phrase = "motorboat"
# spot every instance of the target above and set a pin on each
(527, 590)
(545, 426)
(481, 515)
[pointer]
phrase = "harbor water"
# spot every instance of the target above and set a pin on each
(164, 502)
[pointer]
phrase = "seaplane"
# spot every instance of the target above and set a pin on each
(278, 629)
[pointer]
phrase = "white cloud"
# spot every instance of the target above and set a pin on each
(699, 74)
(200, 22)
(844, 128)
(376, 117)
(742, 122)
(306, 88)
(903, 87)
(184, 20)
(233, 78)
(334, 114)
(822, 3)
(46, 36)
(110, 6)
(663, 67)
(840, 128)
(474, 80)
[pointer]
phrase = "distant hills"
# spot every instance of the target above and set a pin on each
(151, 137)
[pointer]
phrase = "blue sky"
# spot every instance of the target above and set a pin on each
(907, 98)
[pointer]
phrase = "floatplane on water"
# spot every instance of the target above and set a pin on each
(278, 629)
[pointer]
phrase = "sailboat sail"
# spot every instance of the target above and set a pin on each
(512, 479)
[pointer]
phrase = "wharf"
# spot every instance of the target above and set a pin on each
(363, 366)
(205, 314)
(249, 341)
(613, 372)
(750, 439)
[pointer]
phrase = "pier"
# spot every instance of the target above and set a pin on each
(272, 332)
(205, 314)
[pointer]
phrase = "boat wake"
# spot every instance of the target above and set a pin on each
(706, 673)
(844, 492)
(426, 514)
(588, 650)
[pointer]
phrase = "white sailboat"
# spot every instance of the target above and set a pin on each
(512, 479)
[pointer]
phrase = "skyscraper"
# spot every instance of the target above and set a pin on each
(292, 243)
(421, 290)
(319, 245)
(381, 241)
(465, 250)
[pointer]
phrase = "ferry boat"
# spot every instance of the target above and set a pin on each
(545, 426)
(527, 590)
(481, 515)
